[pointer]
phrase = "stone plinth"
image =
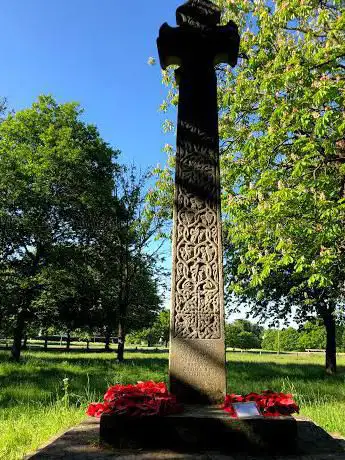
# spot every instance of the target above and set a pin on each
(201, 428)
(80, 443)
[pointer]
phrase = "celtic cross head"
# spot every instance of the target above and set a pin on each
(199, 40)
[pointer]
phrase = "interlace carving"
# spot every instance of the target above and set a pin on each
(197, 313)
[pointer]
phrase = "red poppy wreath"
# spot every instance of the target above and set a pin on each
(150, 398)
(143, 399)
(269, 403)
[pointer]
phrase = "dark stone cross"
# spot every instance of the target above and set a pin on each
(197, 350)
(197, 353)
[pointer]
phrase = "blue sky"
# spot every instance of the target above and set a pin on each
(93, 52)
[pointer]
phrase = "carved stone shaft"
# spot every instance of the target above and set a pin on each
(197, 346)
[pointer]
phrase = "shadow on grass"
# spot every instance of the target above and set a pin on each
(267, 370)
(308, 382)
(38, 378)
(310, 371)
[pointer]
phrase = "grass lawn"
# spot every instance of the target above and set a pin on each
(33, 408)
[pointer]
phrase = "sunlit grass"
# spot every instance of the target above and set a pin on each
(321, 397)
(31, 393)
(24, 428)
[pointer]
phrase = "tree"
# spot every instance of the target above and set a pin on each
(289, 339)
(341, 339)
(56, 178)
(243, 334)
(69, 298)
(312, 336)
(141, 224)
(157, 333)
(270, 340)
(3, 108)
(148, 336)
(162, 325)
(282, 340)
(284, 127)
(282, 131)
(144, 301)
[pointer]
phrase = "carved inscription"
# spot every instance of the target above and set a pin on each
(197, 312)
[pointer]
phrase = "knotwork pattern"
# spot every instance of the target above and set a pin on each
(196, 296)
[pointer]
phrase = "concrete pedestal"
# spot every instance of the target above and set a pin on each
(201, 428)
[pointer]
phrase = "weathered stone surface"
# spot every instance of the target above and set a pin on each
(197, 348)
(202, 428)
(197, 373)
(81, 443)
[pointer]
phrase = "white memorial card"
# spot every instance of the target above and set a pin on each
(246, 410)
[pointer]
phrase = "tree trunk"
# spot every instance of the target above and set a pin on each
(121, 342)
(25, 342)
(123, 306)
(331, 346)
(45, 342)
(107, 339)
(17, 337)
(87, 344)
(68, 342)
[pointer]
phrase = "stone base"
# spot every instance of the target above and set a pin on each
(81, 443)
(201, 428)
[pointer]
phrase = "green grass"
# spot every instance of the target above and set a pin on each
(32, 408)
(320, 396)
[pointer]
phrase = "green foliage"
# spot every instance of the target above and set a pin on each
(56, 178)
(156, 334)
(270, 340)
(284, 340)
(311, 336)
(162, 325)
(282, 131)
(144, 301)
(282, 125)
(243, 334)
(289, 339)
(148, 337)
(138, 299)
(74, 228)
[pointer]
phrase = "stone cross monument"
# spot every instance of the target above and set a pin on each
(197, 353)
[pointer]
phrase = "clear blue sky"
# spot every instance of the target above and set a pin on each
(94, 52)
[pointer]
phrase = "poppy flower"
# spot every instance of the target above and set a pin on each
(252, 397)
(270, 403)
(97, 409)
(143, 399)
